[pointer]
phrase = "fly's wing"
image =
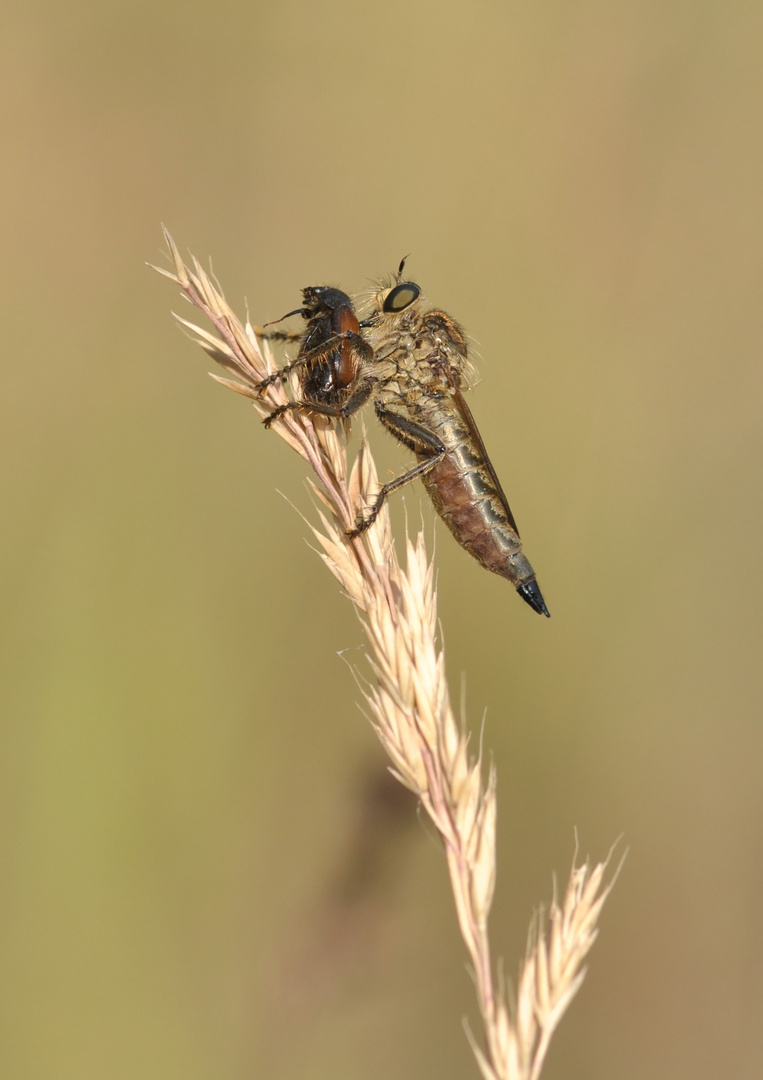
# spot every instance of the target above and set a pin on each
(466, 412)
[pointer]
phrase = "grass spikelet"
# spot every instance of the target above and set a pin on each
(410, 704)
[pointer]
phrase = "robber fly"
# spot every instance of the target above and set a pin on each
(422, 367)
(414, 364)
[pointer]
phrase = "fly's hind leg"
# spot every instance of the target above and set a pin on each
(417, 438)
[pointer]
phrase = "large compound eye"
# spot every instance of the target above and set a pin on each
(401, 297)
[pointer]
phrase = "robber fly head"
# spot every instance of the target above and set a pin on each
(401, 295)
(392, 297)
(402, 324)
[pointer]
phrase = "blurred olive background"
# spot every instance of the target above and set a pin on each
(205, 872)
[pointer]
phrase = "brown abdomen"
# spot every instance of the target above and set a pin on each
(465, 496)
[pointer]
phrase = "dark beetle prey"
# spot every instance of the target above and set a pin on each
(413, 363)
(331, 357)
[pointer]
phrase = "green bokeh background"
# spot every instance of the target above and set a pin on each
(204, 874)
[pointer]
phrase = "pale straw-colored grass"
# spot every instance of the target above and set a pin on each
(410, 703)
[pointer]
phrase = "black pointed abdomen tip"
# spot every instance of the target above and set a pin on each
(532, 595)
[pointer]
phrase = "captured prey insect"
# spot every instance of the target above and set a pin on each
(332, 356)
(413, 363)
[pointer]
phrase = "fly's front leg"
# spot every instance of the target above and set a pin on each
(314, 356)
(340, 412)
(302, 358)
(280, 375)
(417, 438)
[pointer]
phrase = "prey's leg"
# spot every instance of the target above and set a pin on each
(356, 399)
